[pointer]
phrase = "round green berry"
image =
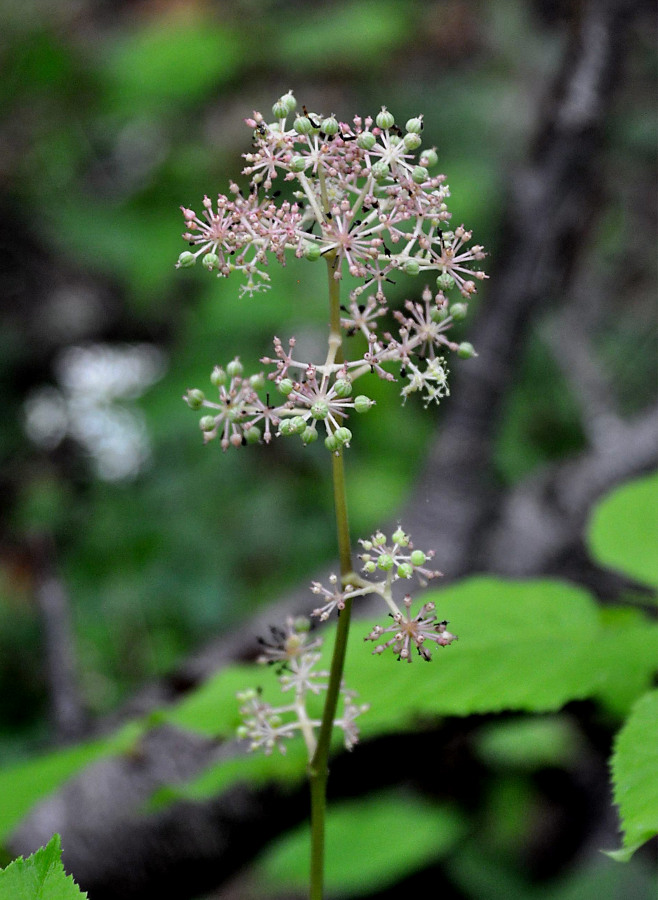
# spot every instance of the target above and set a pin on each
(369, 567)
(412, 267)
(385, 562)
(343, 388)
(331, 443)
(385, 119)
(218, 376)
(343, 436)
(362, 403)
(309, 435)
(186, 259)
(207, 423)
(412, 141)
(329, 126)
(429, 158)
(439, 313)
(252, 435)
(466, 350)
(285, 386)
(297, 164)
(366, 140)
(400, 537)
(312, 252)
(210, 261)
(234, 368)
(379, 539)
(417, 558)
(303, 125)
(459, 311)
(257, 382)
(298, 424)
(405, 570)
(379, 171)
(445, 282)
(420, 174)
(285, 428)
(320, 409)
(195, 398)
(415, 125)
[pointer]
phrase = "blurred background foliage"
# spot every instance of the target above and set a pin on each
(115, 114)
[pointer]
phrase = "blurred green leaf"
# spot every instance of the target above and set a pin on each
(635, 775)
(371, 842)
(623, 531)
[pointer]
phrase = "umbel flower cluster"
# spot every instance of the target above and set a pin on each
(362, 197)
(384, 561)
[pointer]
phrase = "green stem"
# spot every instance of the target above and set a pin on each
(318, 769)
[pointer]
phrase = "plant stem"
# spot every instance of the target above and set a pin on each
(318, 769)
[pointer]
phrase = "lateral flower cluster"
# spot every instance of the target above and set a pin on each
(268, 727)
(385, 561)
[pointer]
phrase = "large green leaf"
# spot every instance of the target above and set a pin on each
(371, 842)
(39, 877)
(623, 531)
(528, 646)
(635, 775)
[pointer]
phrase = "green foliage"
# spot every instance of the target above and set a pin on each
(635, 775)
(39, 877)
(359, 862)
(623, 530)
(24, 784)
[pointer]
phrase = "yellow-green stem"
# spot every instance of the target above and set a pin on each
(318, 770)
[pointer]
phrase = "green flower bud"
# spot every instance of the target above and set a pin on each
(207, 423)
(417, 558)
(285, 428)
(257, 382)
(285, 386)
(331, 443)
(385, 562)
(420, 174)
(343, 436)
(466, 350)
(458, 311)
(312, 252)
(218, 376)
(329, 126)
(362, 403)
(405, 570)
(343, 388)
(279, 109)
(445, 282)
(366, 140)
(185, 260)
(412, 267)
(298, 164)
(439, 313)
(379, 171)
(394, 140)
(415, 126)
(320, 409)
(242, 731)
(367, 545)
(210, 261)
(287, 103)
(252, 435)
(302, 624)
(385, 119)
(369, 567)
(303, 125)
(298, 424)
(412, 141)
(429, 158)
(379, 539)
(194, 398)
(234, 368)
(309, 435)
(399, 537)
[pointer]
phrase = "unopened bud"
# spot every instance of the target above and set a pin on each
(366, 140)
(417, 558)
(466, 350)
(312, 252)
(429, 158)
(385, 562)
(218, 376)
(412, 267)
(194, 398)
(459, 311)
(343, 436)
(385, 119)
(362, 403)
(185, 260)
(210, 261)
(329, 126)
(343, 388)
(285, 386)
(207, 423)
(303, 125)
(445, 282)
(420, 174)
(412, 141)
(234, 368)
(320, 409)
(405, 570)
(379, 171)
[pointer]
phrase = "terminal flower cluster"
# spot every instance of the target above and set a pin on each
(268, 727)
(385, 561)
(360, 193)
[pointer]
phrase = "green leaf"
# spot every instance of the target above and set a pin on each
(529, 646)
(39, 877)
(24, 784)
(371, 842)
(623, 531)
(635, 775)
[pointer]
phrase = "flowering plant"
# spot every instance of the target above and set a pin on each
(360, 199)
